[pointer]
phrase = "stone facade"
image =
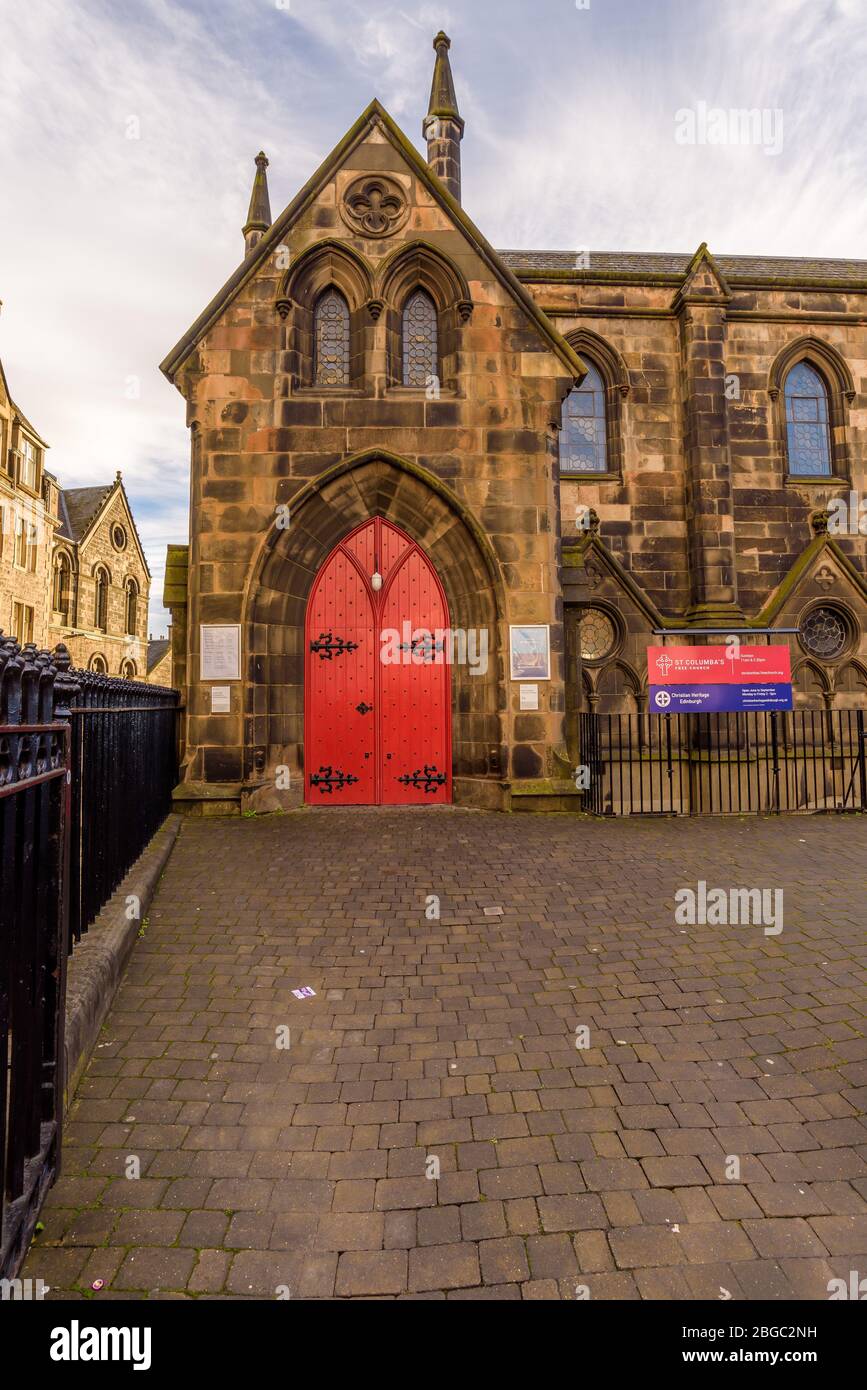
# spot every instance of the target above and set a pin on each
(28, 520)
(99, 541)
(695, 519)
(57, 545)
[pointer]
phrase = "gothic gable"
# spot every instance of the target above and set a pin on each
(372, 194)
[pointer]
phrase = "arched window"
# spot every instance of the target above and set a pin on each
(808, 436)
(98, 664)
(332, 339)
(420, 350)
(583, 427)
(61, 597)
(100, 600)
(131, 607)
(127, 670)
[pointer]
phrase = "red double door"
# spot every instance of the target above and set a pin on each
(377, 708)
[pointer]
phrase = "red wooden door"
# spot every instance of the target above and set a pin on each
(340, 737)
(377, 718)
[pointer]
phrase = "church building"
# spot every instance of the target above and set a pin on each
(445, 496)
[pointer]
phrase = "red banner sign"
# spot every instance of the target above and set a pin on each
(732, 664)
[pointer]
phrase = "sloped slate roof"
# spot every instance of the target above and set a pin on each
(794, 269)
(157, 649)
(78, 507)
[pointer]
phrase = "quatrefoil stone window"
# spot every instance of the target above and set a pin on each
(374, 207)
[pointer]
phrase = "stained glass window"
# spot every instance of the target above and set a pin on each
(420, 355)
(825, 633)
(597, 634)
(583, 429)
(332, 339)
(809, 438)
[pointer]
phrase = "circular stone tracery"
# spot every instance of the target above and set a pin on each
(374, 207)
(825, 633)
(597, 634)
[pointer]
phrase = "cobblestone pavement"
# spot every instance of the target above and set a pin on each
(265, 1169)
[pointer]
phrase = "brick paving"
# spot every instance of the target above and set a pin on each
(267, 1171)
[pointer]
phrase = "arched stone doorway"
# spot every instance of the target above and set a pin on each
(325, 512)
(378, 648)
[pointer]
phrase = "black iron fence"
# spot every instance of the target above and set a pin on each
(724, 764)
(124, 766)
(87, 765)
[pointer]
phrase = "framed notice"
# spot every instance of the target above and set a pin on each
(529, 697)
(530, 651)
(220, 658)
(221, 699)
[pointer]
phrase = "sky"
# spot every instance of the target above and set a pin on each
(129, 133)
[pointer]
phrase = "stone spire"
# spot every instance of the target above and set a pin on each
(259, 214)
(442, 127)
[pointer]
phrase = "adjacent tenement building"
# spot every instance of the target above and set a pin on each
(72, 568)
(445, 496)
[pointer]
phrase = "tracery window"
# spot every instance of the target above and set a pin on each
(420, 348)
(825, 633)
(583, 427)
(332, 339)
(808, 435)
(597, 634)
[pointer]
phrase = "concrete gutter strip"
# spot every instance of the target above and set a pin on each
(97, 964)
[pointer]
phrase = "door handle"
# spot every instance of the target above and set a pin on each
(364, 708)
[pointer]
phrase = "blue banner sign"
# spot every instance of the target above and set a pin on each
(718, 699)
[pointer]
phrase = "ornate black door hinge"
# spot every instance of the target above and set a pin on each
(427, 781)
(327, 778)
(327, 646)
(426, 645)
(364, 708)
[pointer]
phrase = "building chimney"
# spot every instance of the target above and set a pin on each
(442, 127)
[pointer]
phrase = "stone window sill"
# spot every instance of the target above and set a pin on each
(328, 393)
(568, 477)
(420, 393)
(816, 480)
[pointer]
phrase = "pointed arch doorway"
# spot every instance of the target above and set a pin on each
(377, 727)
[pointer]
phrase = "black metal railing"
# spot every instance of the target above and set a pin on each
(87, 766)
(34, 820)
(725, 764)
(124, 766)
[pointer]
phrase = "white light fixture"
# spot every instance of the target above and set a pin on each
(376, 582)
